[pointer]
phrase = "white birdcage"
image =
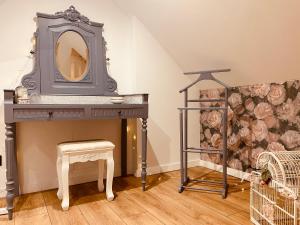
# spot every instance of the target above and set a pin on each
(276, 203)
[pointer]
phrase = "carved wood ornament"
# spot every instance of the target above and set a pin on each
(47, 79)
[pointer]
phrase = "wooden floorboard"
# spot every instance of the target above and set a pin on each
(160, 204)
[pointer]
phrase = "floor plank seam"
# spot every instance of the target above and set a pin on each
(51, 222)
(85, 219)
(240, 212)
(129, 197)
(116, 213)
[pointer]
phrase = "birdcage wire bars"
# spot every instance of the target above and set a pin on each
(276, 203)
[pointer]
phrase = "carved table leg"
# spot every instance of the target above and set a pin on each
(10, 157)
(15, 163)
(144, 153)
(124, 148)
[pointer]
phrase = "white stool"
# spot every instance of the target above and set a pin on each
(83, 151)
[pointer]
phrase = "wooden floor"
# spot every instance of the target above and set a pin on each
(160, 204)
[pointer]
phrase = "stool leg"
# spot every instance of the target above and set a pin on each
(65, 182)
(58, 169)
(110, 177)
(100, 175)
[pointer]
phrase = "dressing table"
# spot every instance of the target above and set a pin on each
(69, 81)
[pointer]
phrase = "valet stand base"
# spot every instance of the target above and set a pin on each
(185, 186)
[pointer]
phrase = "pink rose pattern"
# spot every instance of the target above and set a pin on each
(263, 117)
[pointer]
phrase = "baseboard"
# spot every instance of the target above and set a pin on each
(2, 182)
(2, 193)
(192, 163)
(232, 172)
(165, 167)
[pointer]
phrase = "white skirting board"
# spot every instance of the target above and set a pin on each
(3, 211)
(2, 182)
(232, 172)
(165, 168)
(176, 166)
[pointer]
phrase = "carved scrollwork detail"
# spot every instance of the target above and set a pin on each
(111, 85)
(73, 15)
(29, 83)
(86, 157)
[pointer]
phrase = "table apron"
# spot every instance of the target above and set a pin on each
(28, 114)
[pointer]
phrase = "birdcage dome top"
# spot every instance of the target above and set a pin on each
(284, 167)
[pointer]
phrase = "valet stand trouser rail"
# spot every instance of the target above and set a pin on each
(184, 147)
(130, 111)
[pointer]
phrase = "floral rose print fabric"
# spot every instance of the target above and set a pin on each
(263, 117)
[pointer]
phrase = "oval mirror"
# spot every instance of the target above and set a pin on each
(71, 56)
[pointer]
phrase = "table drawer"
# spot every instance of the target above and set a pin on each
(119, 113)
(29, 114)
(105, 113)
(133, 113)
(66, 113)
(48, 114)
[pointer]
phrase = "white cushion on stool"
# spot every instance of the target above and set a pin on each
(78, 146)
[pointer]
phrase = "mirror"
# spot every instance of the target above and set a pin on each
(71, 56)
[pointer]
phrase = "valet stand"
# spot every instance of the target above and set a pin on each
(184, 146)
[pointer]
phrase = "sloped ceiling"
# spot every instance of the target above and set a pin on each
(255, 38)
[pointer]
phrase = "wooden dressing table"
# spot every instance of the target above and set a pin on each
(58, 92)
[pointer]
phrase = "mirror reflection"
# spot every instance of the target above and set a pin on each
(71, 56)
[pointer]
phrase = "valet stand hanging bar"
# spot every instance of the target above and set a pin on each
(184, 146)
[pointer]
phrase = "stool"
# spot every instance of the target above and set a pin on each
(83, 151)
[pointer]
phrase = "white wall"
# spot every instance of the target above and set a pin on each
(138, 63)
(158, 74)
(259, 40)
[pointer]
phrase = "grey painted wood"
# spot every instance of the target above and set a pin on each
(15, 164)
(124, 147)
(144, 152)
(10, 156)
(184, 146)
(185, 140)
(180, 189)
(49, 80)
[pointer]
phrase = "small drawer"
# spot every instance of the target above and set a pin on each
(48, 114)
(133, 113)
(70, 113)
(105, 113)
(29, 114)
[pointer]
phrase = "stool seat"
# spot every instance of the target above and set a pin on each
(83, 151)
(78, 146)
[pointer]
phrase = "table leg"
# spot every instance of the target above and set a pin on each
(124, 147)
(10, 157)
(144, 153)
(15, 163)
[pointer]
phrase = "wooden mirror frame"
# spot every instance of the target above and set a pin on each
(45, 79)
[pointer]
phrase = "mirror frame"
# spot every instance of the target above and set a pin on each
(45, 79)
